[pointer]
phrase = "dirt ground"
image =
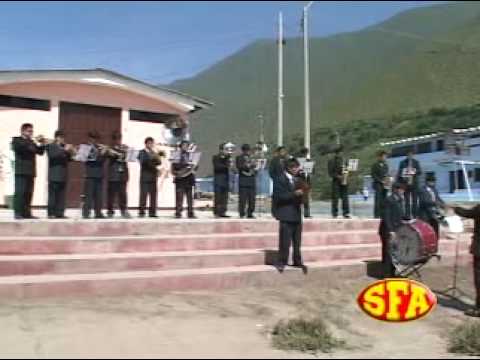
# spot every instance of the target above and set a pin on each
(231, 324)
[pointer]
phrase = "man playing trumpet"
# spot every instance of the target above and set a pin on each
(59, 155)
(149, 159)
(337, 170)
(184, 171)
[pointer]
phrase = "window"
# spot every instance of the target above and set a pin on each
(24, 103)
(440, 145)
(477, 175)
(152, 117)
(424, 148)
(402, 151)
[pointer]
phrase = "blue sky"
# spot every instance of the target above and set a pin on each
(159, 42)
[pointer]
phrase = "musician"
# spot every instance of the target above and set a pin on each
(287, 201)
(149, 162)
(431, 204)
(26, 151)
(59, 156)
(277, 165)
(305, 156)
(246, 182)
(184, 184)
(222, 163)
(336, 167)
(380, 173)
(392, 218)
(118, 176)
(94, 175)
(410, 171)
(474, 214)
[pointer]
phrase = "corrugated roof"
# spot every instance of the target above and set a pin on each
(431, 136)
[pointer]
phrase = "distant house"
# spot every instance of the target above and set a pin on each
(79, 101)
(441, 154)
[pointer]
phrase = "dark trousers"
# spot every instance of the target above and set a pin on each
(476, 277)
(221, 201)
(380, 197)
(411, 202)
(290, 234)
(388, 267)
(306, 208)
(23, 195)
(93, 192)
(148, 190)
(339, 192)
(117, 191)
(181, 192)
(246, 197)
(56, 198)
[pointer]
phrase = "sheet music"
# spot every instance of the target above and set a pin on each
(83, 153)
(455, 225)
(353, 165)
(307, 166)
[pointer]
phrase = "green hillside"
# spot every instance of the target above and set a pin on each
(421, 59)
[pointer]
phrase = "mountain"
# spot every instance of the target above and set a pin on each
(418, 60)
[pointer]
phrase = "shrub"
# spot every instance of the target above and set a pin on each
(465, 339)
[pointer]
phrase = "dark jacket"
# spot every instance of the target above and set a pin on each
(94, 164)
(117, 165)
(379, 172)
(182, 165)
(335, 167)
(475, 215)
(277, 167)
(58, 160)
(26, 152)
(393, 213)
(286, 206)
(247, 174)
(429, 204)
(221, 169)
(148, 165)
(415, 165)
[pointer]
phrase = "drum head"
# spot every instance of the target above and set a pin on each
(408, 246)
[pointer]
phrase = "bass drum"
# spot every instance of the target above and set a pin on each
(415, 243)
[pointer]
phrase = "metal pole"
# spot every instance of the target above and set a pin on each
(307, 75)
(467, 181)
(280, 80)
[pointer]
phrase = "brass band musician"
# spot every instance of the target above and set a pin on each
(409, 172)
(247, 178)
(149, 159)
(222, 164)
(380, 176)
(337, 169)
(183, 170)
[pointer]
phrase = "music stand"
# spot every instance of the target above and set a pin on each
(456, 228)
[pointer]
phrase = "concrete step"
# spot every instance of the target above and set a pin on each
(10, 245)
(118, 262)
(135, 227)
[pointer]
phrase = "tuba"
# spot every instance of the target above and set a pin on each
(188, 170)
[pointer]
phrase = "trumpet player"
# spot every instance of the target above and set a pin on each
(118, 176)
(338, 171)
(59, 156)
(410, 172)
(222, 164)
(94, 174)
(26, 151)
(380, 173)
(247, 169)
(149, 159)
(183, 170)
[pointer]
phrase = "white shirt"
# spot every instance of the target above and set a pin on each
(290, 178)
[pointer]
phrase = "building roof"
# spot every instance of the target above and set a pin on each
(109, 78)
(405, 141)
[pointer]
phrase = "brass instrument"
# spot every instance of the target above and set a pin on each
(345, 174)
(190, 168)
(42, 140)
(251, 164)
(302, 184)
(230, 148)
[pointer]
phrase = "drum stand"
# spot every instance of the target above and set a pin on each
(414, 269)
(453, 292)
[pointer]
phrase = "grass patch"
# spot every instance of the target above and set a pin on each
(307, 336)
(465, 339)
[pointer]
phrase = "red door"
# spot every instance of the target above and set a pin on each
(77, 120)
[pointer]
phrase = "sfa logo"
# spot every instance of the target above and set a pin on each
(397, 300)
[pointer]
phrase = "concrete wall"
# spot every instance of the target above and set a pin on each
(46, 122)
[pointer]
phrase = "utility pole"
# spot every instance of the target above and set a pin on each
(307, 75)
(281, 95)
(261, 120)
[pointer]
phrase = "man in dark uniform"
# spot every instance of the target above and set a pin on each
(339, 188)
(277, 165)
(118, 176)
(59, 156)
(410, 171)
(474, 214)
(149, 162)
(94, 173)
(247, 178)
(26, 151)
(392, 218)
(430, 204)
(221, 166)
(287, 201)
(380, 173)
(184, 173)
(305, 156)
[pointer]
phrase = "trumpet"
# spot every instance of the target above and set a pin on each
(42, 140)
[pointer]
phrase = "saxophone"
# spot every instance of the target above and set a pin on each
(345, 174)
